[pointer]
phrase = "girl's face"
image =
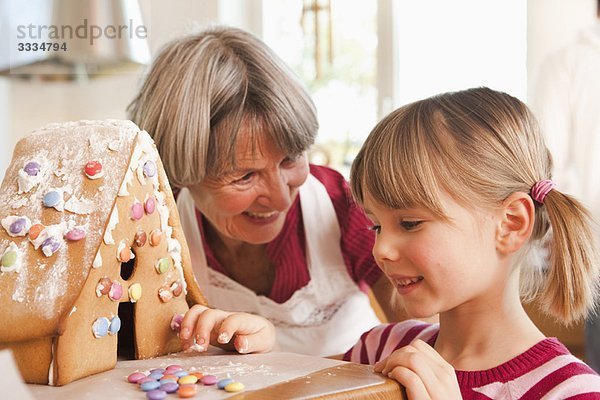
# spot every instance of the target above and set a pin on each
(437, 265)
(249, 203)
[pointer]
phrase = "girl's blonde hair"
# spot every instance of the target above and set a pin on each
(201, 88)
(480, 146)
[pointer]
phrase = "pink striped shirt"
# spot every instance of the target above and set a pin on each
(545, 371)
(287, 250)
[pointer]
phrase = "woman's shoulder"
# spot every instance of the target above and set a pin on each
(333, 180)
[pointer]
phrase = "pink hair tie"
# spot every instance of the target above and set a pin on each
(540, 189)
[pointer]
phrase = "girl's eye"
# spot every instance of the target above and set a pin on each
(410, 225)
(376, 229)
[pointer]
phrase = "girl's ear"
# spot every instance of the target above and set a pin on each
(517, 216)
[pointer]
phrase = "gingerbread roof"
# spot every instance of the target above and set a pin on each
(56, 209)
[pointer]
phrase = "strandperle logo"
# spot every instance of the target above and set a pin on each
(81, 31)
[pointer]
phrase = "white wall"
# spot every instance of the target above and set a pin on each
(26, 105)
(550, 25)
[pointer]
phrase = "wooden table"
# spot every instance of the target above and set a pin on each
(266, 376)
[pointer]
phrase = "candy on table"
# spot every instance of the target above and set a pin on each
(234, 387)
(16, 225)
(93, 170)
(208, 380)
(187, 391)
(135, 377)
(149, 385)
(224, 382)
(156, 394)
(51, 246)
(169, 387)
(161, 381)
(187, 378)
(74, 234)
(9, 261)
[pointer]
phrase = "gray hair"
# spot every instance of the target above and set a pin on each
(202, 88)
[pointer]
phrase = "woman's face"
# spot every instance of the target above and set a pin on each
(249, 202)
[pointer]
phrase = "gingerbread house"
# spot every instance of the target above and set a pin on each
(92, 254)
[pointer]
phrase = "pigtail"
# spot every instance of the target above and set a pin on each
(572, 278)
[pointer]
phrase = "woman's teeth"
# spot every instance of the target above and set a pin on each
(264, 215)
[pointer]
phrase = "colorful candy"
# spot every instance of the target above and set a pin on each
(187, 379)
(234, 387)
(52, 198)
(135, 292)
(169, 387)
(103, 286)
(160, 381)
(140, 238)
(155, 237)
(149, 385)
(156, 394)
(208, 380)
(137, 211)
(116, 291)
(100, 327)
(93, 170)
(35, 231)
(187, 391)
(224, 382)
(163, 265)
(50, 246)
(149, 168)
(17, 226)
(75, 234)
(176, 326)
(135, 377)
(150, 205)
(9, 259)
(32, 168)
(115, 325)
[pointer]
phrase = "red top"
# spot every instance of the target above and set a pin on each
(547, 370)
(287, 250)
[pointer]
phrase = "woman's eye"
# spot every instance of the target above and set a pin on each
(245, 178)
(410, 225)
(375, 228)
(291, 159)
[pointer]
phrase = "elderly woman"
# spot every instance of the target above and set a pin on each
(268, 233)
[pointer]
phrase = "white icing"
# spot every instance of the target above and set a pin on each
(97, 260)
(7, 222)
(16, 267)
(112, 223)
(79, 206)
(57, 231)
(51, 369)
(97, 176)
(20, 203)
(114, 145)
(26, 182)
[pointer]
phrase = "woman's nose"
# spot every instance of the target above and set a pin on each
(277, 192)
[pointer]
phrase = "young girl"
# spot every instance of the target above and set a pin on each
(468, 223)
(458, 188)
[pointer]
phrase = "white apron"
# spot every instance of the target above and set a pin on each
(325, 317)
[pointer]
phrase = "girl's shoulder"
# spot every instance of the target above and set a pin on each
(546, 370)
(382, 340)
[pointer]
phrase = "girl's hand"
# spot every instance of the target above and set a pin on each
(422, 371)
(250, 333)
